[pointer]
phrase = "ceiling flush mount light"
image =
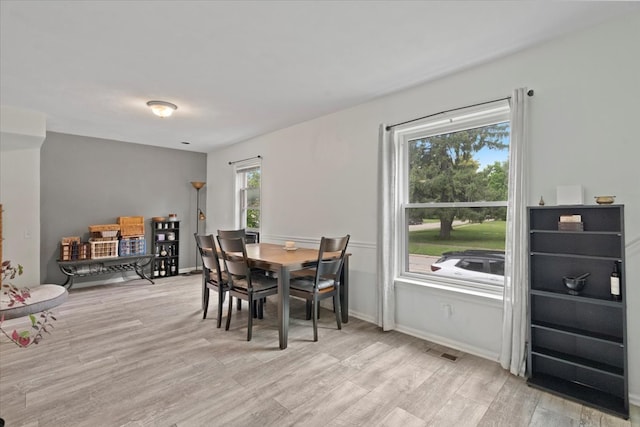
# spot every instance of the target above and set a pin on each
(162, 108)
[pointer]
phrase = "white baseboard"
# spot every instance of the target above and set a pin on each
(447, 342)
(476, 351)
(363, 317)
(634, 399)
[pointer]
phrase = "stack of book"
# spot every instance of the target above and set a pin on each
(570, 223)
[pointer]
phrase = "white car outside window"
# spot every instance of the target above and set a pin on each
(484, 266)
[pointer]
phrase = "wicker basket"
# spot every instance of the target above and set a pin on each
(104, 227)
(70, 240)
(108, 231)
(131, 226)
(72, 251)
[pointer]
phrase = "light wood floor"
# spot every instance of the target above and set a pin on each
(136, 354)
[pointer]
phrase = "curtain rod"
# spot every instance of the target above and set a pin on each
(388, 128)
(248, 158)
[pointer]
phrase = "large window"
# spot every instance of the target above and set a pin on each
(248, 196)
(454, 170)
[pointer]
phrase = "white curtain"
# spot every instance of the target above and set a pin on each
(387, 201)
(514, 324)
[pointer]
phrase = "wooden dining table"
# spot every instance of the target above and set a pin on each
(275, 258)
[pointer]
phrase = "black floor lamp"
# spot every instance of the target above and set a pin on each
(199, 217)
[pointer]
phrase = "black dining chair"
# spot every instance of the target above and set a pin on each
(325, 280)
(244, 283)
(231, 234)
(249, 237)
(212, 275)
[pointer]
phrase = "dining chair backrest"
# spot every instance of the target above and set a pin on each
(209, 254)
(232, 234)
(249, 236)
(203, 242)
(331, 266)
(237, 266)
(252, 237)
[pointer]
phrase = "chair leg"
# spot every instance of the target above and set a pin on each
(220, 305)
(205, 301)
(308, 309)
(263, 302)
(250, 322)
(315, 317)
(336, 309)
(229, 313)
(261, 308)
(256, 312)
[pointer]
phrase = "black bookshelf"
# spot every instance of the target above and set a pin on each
(165, 237)
(578, 342)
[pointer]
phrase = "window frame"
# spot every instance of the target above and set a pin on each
(241, 206)
(453, 121)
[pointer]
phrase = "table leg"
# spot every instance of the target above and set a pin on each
(344, 290)
(283, 306)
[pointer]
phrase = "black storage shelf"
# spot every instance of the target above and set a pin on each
(583, 333)
(596, 319)
(168, 257)
(576, 256)
(582, 297)
(582, 233)
(581, 362)
(577, 345)
(595, 218)
(606, 245)
(581, 393)
(163, 228)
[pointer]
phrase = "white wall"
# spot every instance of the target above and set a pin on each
(21, 135)
(320, 177)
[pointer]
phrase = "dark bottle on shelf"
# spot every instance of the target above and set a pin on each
(173, 267)
(156, 269)
(615, 282)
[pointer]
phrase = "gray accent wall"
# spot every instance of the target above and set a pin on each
(87, 181)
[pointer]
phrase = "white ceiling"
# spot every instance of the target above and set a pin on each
(238, 69)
